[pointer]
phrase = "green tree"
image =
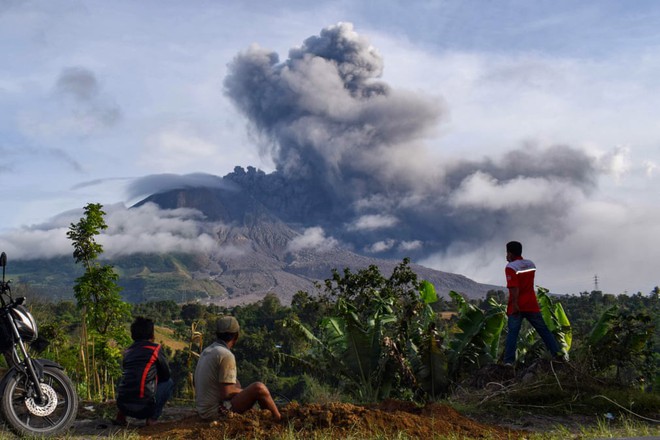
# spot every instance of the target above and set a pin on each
(103, 311)
(96, 291)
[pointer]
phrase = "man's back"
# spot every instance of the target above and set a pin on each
(216, 366)
(143, 365)
(520, 273)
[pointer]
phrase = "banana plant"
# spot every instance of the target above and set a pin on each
(602, 326)
(477, 341)
(426, 355)
(622, 339)
(353, 349)
(555, 318)
(530, 347)
(429, 362)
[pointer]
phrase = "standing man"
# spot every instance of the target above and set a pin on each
(145, 385)
(523, 304)
(216, 382)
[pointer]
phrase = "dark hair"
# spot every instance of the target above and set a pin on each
(226, 337)
(514, 247)
(142, 329)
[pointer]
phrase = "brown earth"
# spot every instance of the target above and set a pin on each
(338, 419)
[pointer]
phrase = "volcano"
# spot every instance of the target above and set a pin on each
(257, 227)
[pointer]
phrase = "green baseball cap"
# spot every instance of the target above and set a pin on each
(227, 324)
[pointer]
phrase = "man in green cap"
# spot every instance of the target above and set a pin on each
(216, 382)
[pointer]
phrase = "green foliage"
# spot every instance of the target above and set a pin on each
(378, 339)
(82, 234)
(96, 290)
(429, 362)
(623, 340)
(143, 277)
(555, 318)
(368, 336)
(97, 295)
(159, 311)
(477, 342)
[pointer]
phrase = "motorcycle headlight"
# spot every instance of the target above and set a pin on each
(27, 326)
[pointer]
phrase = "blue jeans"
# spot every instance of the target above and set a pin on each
(536, 320)
(164, 391)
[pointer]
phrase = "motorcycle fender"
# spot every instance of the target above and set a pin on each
(39, 365)
(47, 363)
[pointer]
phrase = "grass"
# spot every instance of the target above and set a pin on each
(166, 337)
(603, 428)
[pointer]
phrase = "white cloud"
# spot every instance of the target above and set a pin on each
(617, 162)
(27, 243)
(650, 168)
(312, 238)
(175, 148)
(150, 229)
(138, 230)
(610, 239)
(373, 221)
(410, 245)
(483, 191)
(381, 246)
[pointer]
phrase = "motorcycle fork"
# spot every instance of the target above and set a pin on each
(31, 372)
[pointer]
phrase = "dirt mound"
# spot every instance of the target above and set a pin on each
(339, 419)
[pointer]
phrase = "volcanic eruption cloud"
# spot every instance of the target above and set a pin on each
(330, 123)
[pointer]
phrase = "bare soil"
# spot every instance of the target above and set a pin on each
(338, 419)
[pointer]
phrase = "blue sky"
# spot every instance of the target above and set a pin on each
(96, 94)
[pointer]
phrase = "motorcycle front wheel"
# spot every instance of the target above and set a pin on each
(29, 417)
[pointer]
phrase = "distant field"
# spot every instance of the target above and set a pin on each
(165, 336)
(447, 315)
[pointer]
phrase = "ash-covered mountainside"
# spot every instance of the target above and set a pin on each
(261, 253)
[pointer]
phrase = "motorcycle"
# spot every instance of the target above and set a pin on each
(37, 397)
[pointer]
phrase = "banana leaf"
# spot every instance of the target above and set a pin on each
(555, 318)
(603, 326)
(479, 336)
(333, 329)
(495, 320)
(565, 326)
(431, 366)
(359, 358)
(427, 292)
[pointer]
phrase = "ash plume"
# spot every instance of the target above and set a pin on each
(350, 155)
(81, 88)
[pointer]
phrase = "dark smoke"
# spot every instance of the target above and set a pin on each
(349, 156)
(82, 89)
(326, 114)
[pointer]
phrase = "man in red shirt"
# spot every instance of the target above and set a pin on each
(522, 303)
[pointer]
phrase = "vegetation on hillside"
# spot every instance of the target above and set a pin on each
(365, 337)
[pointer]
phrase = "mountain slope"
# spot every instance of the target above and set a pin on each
(256, 256)
(255, 253)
